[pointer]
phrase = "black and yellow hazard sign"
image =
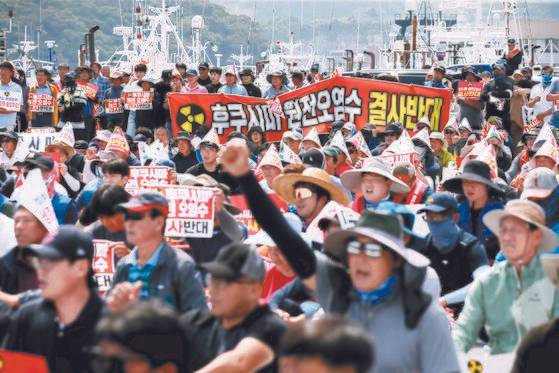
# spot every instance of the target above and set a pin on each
(190, 117)
(475, 366)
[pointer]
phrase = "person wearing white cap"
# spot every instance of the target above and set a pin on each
(515, 295)
(438, 145)
(231, 86)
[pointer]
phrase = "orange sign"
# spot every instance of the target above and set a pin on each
(469, 90)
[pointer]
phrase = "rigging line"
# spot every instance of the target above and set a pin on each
(120, 12)
(252, 22)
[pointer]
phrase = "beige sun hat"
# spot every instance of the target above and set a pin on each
(527, 211)
(284, 185)
(351, 179)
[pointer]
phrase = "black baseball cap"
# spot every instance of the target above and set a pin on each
(69, 243)
(183, 135)
(36, 160)
(203, 65)
(191, 72)
(396, 128)
(80, 145)
(246, 72)
(10, 134)
(313, 158)
(236, 261)
(440, 202)
(216, 69)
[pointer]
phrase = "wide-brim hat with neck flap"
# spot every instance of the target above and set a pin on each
(351, 179)
(476, 171)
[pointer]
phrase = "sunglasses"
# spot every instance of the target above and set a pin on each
(303, 193)
(134, 216)
(371, 249)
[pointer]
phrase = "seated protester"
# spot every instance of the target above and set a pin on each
(451, 137)
(528, 151)
(70, 176)
(209, 148)
(43, 87)
(153, 269)
(513, 296)
(309, 191)
(215, 77)
(64, 207)
(279, 273)
(503, 153)
(419, 190)
(148, 118)
(256, 138)
(458, 257)
(110, 222)
(375, 280)
(185, 157)
(412, 240)
(329, 344)
(114, 172)
(480, 194)
(17, 275)
(226, 228)
(11, 153)
(539, 348)
(60, 325)
(145, 337)
(428, 162)
(373, 183)
(422, 123)
(237, 334)
(391, 134)
(438, 146)
(311, 141)
(271, 168)
(331, 157)
(278, 81)
(293, 140)
(464, 130)
(546, 156)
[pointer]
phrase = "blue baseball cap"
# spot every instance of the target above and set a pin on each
(440, 202)
(407, 215)
(191, 72)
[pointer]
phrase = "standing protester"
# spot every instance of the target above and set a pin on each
(72, 102)
(247, 79)
(515, 295)
(114, 95)
(185, 157)
(480, 196)
(153, 269)
(215, 77)
(497, 95)
(419, 190)
(374, 281)
(538, 95)
(63, 69)
(470, 108)
(181, 68)
(60, 325)
(277, 81)
(140, 71)
(204, 78)
(231, 86)
(193, 83)
(238, 334)
(297, 80)
(148, 117)
(83, 80)
(512, 56)
(43, 87)
(99, 80)
(10, 89)
(439, 80)
(553, 97)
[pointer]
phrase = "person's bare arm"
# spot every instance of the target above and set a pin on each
(249, 355)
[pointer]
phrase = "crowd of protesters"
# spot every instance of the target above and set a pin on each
(313, 290)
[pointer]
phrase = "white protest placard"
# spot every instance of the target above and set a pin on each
(191, 211)
(11, 100)
(144, 177)
(103, 264)
(138, 100)
(40, 103)
(346, 218)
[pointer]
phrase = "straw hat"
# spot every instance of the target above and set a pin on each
(527, 211)
(284, 185)
(351, 179)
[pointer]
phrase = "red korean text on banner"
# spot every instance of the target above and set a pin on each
(393, 159)
(360, 101)
(138, 100)
(145, 177)
(245, 216)
(103, 264)
(20, 362)
(191, 211)
(90, 90)
(39, 103)
(113, 106)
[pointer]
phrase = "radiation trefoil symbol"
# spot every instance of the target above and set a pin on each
(475, 366)
(190, 117)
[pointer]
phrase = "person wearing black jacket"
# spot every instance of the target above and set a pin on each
(497, 95)
(215, 76)
(513, 57)
(247, 78)
(186, 157)
(60, 325)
